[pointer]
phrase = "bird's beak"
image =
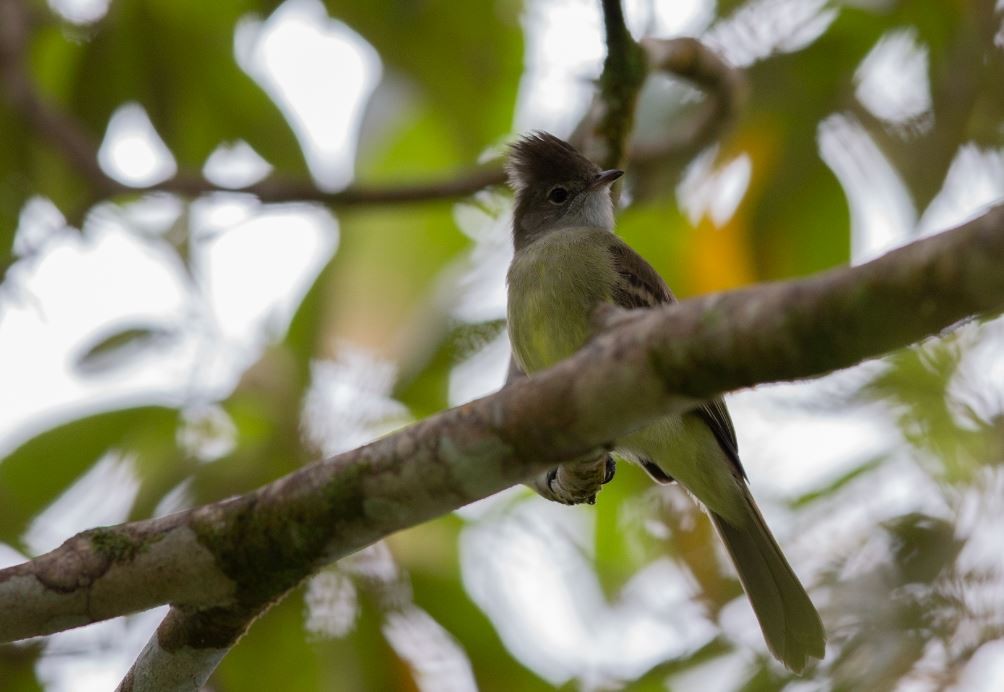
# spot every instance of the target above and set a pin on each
(606, 178)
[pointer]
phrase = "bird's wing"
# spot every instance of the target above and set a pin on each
(640, 286)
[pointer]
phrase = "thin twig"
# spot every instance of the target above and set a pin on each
(460, 184)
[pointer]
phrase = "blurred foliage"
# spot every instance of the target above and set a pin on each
(483, 37)
(17, 665)
(452, 73)
(42, 469)
(156, 53)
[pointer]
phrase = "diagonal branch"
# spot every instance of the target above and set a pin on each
(222, 564)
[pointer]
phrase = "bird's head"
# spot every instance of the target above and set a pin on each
(556, 187)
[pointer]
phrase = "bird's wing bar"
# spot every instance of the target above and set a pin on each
(638, 284)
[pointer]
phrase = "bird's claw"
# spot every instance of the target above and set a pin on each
(610, 470)
(551, 476)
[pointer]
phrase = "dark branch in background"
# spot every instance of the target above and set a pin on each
(461, 184)
(724, 84)
(53, 125)
(624, 71)
(222, 564)
(79, 147)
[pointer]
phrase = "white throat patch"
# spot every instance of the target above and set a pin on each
(597, 211)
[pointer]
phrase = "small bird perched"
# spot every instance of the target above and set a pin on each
(568, 262)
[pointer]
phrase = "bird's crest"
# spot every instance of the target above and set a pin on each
(540, 157)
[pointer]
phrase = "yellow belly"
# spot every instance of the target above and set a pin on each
(555, 284)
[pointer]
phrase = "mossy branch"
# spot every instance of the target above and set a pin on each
(624, 72)
(221, 564)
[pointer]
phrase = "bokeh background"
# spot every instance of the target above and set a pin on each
(160, 351)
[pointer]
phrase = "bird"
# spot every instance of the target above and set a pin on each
(566, 263)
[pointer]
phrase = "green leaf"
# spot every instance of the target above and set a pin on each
(917, 386)
(304, 336)
(837, 483)
(922, 546)
(275, 655)
(120, 347)
(15, 183)
(38, 471)
(659, 677)
(265, 410)
(176, 58)
(799, 215)
(466, 57)
(424, 386)
(17, 666)
(390, 257)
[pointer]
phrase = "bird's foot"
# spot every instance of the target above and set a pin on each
(575, 483)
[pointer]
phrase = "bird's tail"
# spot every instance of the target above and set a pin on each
(790, 623)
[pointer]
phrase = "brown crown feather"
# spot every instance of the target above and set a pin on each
(541, 158)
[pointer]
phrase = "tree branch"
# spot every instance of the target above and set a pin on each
(79, 147)
(624, 71)
(725, 86)
(460, 184)
(222, 564)
(185, 650)
(59, 128)
(623, 74)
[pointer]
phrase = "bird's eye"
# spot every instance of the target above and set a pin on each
(557, 195)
